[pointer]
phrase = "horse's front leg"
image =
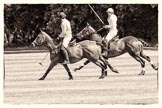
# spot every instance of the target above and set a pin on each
(68, 70)
(81, 66)
(112, 68)
(108, 64)
(52, 64)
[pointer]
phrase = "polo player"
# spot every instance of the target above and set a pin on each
(112, 20)
(66, 35)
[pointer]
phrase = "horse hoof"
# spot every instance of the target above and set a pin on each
(101, 77)
(154, 67)
(41, 78)
(115, 71)
(75, 70)
(141, 74)
(71, 78)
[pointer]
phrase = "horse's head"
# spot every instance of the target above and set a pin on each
(86, 32)
(41, 39)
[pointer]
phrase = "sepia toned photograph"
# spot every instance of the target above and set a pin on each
(105, 54)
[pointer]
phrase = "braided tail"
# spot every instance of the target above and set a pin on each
(144, 43)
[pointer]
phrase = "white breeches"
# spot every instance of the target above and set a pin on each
(111, 35)
(66, 40)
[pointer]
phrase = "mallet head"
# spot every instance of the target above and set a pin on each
(41, 64)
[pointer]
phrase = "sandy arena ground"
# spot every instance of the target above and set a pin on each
(22, 71)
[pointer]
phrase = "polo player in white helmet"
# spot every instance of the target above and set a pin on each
(66, 34)
(112, 21)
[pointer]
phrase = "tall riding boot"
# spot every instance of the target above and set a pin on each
(65, 55)
(105, 48)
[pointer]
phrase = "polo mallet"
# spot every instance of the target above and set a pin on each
(43, 59)
(97, 17)
(96, 14)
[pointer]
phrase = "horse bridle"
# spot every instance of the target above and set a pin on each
(89, 32)
(41, 40)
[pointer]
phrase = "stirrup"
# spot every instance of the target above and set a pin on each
(105, 53)
(55, 51)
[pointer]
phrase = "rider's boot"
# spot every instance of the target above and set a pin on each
(105, 48)
(65, 55)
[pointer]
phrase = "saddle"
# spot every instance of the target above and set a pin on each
(71, 44)
(105, 45)
(116, 38)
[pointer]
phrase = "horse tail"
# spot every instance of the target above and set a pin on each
(144, 43)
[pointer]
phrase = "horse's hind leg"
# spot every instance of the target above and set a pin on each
(105, 63)
(149, 60)
(52, 64)
(68, 70)
(82, 65)
(142, 62)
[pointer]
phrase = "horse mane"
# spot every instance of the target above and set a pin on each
(44, 33)
(53, 42)
(93, 30)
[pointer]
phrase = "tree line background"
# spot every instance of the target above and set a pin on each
(23, 21)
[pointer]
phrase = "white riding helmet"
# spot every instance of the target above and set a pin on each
(62, 15)
(110, 10)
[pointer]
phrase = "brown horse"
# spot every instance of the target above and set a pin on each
(129, 44)
(85, 49)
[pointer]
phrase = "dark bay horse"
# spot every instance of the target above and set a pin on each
(85, 49)
(128, 44)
